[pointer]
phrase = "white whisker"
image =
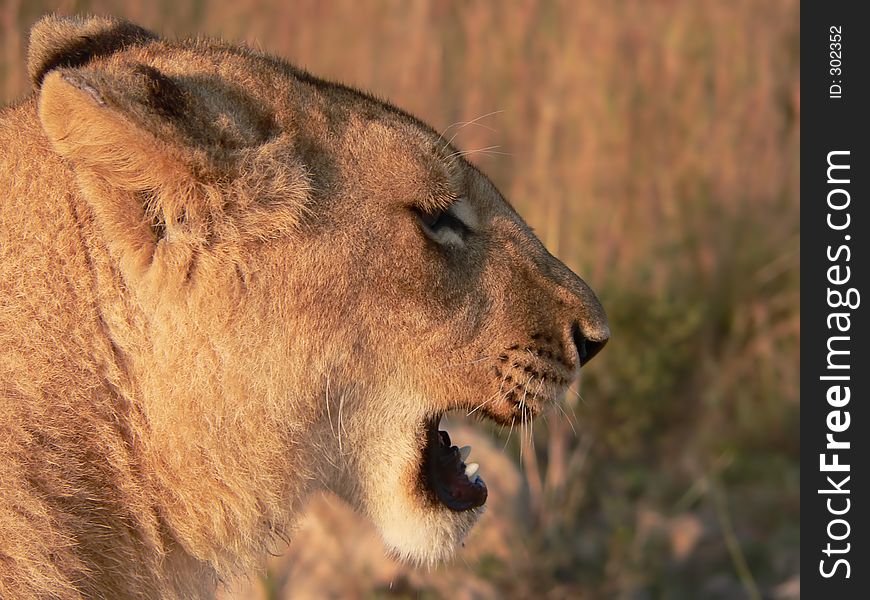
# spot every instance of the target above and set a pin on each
(328, 413)
(559, 406)
(509, 434)
(482, 404)
(523, 415)
(540, 386)
(489, 152)
(466, 124)
(537, 393)
(340, 407)
(487, 149)
(576, 393)
(522, 429)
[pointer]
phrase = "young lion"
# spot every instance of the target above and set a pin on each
(227, 284)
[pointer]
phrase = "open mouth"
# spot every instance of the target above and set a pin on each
(445, 474)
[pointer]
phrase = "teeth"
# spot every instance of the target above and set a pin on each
(471, 469)
(464, 452)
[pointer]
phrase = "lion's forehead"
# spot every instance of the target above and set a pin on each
(351, 118)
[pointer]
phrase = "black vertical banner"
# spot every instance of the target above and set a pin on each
(835, 299)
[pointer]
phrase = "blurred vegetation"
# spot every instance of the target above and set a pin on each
(654, 146)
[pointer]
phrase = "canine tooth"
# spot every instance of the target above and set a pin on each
(471, 469)
(464, 452)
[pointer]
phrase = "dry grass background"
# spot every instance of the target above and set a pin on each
(654, 146)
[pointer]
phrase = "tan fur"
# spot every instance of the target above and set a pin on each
(217, 298)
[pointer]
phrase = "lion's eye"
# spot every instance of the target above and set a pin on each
(440, 220)
(446, 226)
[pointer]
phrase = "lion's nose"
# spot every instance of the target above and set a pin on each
(589, 342)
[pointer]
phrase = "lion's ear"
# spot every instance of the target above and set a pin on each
(140, 129)
(118, 129)
(57, 42)
(149, 149)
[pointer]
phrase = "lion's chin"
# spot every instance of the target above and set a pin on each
(426, 524)
(418, 492)
(423, 534)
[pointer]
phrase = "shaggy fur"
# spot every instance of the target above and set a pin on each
(219, 295)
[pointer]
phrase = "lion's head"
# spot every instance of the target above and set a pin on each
(301, 280)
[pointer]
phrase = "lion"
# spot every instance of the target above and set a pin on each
(226, 285)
